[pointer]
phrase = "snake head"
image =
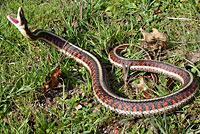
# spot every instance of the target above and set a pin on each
(20, 22)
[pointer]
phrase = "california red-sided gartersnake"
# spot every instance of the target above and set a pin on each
(133, 107)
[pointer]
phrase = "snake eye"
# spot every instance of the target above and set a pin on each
(21, 13)
(21, 17)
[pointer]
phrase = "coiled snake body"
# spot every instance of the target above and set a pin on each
(133, 107)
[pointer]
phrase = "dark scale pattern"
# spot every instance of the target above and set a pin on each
(159, 103)
(115, 103)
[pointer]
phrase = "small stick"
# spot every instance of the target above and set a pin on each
(174, 18)
(176, 42)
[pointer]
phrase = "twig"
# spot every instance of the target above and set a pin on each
(81, 11)
(183, 42)
(177, 42)
(174, 18)
(184, 19)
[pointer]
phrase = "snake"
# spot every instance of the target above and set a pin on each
(100, 84)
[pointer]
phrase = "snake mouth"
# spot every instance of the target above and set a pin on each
(13, 20)
(19, 20)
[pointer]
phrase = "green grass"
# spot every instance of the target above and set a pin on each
(98, 27)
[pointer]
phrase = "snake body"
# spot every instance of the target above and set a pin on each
(102, 91)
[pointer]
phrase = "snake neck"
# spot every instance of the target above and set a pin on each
(48, 37)
(30, 35)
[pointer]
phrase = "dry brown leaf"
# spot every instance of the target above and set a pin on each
(148, 37)
(147, 94)
(193, 56)
(158, 36)
(142, 86)
(96, 110)
(53, 81)
(78, 107)
(5, 120)
(153, 36)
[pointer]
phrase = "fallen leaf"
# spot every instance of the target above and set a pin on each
(147, 94)
(148, 37)
(158, 11)
(5, 119)
(142, 86)
(154, 36)
(125, 77)
(78, 107)
(52, 81)
(158, 36)
(73, 114)
(193, 56)
(96, 110)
